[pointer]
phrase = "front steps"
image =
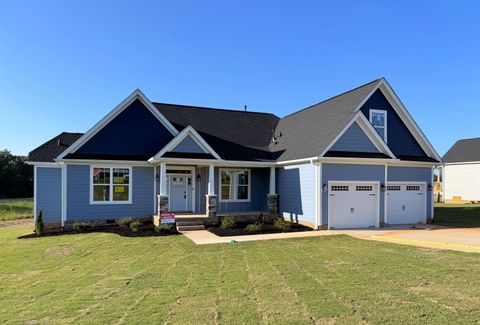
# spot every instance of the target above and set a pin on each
(190, 225)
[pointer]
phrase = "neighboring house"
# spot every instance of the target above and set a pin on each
(461, 171)
(355, 160)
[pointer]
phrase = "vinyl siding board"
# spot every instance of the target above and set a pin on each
(188, 145)
(400, 140)
(413, 174)
(351, 172)
(462, 180)
(78, 196)
(354, 140)
(49, 194)
(296, 192)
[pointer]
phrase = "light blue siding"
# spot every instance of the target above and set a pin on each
(296, 192)
(201, 190)
(78, 196)
(351, 172)
(49, 194)
(260, 178)
(188, 145)
(354, 139)
(413, 174)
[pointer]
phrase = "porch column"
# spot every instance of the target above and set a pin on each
(272, 196)
(163, 197)
(211, 197)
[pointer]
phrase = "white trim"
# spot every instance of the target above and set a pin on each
(110, 201)
(192, 175)
(248, 188)
(211, 180)
(296, 161)
(155, 190)
(188, 131)
(105, 162)
(217, 163)
(355, 182)
(462, 163)
(64, 194)
(137, 94)
(34, 193)
(385, 199)
(425, 191)
(376, 161)
(318, 195)
(43, 164)
(385, 121)
(431, 195)
(272, 185)
(163, 179)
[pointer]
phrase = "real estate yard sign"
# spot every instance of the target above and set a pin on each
(167, 218)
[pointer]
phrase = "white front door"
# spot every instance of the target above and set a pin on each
(353, 205)
(406, 203)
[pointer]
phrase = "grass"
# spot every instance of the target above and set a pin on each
(16, 209)
(108, 279)
(457, 215)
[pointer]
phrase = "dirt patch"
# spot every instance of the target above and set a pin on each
(28, 221)
(268, 228)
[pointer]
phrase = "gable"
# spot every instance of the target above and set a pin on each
(399, 138)
(134, 134)
(188, 145)
(354, 140)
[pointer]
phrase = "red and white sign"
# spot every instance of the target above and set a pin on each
(167, 218)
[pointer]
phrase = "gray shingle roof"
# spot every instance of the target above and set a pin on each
(463, 151)
(48, 151)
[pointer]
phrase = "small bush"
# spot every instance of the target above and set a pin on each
(164, 228)
(228, 222)
(124, 222)
(134, 225)
(39, 224)
(254, 227)
(81, 225)
(282, 224)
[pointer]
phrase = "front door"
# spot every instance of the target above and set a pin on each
(178, 193)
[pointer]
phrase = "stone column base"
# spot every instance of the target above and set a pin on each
(212, 208)
(323, 226)
(272, 204)
(162, 204)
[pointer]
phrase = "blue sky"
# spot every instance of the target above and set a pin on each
(65, 64)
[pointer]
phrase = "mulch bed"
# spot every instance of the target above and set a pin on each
(147, 230)
(268, 228)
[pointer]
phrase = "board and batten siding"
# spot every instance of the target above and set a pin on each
(49, 194)
(354, 140)
(462, 180)
(351, 172)
(78, 196)
(413, 174)
(296, 192)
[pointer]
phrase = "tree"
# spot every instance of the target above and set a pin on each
(16, 177)
(39, 223)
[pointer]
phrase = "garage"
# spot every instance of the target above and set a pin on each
(406, 203)
(353, 205)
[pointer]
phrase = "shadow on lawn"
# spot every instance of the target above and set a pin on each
(144, 231)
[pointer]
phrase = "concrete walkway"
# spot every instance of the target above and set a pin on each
(461, 239)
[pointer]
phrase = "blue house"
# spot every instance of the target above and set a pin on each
(355, 160)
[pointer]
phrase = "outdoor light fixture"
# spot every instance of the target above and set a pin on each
(199, 178)
(383, 187)
(325, 187)
(430, 187)
(157, 178)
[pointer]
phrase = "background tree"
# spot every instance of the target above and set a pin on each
(16, 177)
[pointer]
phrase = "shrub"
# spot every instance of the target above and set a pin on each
(228, 222)
(164, 228)
(134, 225)
(282, 224)
(39, 224)
(81, 225)
(124, 222)
(254, 227)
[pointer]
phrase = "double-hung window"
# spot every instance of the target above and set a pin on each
(110, 185)
(378, 118)
(235, 185)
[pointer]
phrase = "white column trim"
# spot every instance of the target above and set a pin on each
(432, 213)
(272, 190)
(163, 179)
(154, 189)
(318, 195)
(385, 196)
(211, 179)
(64, 194)
(34, 193)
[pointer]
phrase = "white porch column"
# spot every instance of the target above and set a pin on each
(272, 181)
(163, 179)
(211, 180)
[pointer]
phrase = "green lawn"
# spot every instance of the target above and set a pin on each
(107, 279)
(16, 209)
(457, 215)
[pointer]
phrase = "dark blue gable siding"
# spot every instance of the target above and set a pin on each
(400, 140)
(135, 132)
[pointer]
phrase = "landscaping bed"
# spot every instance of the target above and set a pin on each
(239, 229)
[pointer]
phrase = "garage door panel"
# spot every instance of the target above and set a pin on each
(406, 203)
(353, 205)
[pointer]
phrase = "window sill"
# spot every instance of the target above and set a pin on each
(109, 202)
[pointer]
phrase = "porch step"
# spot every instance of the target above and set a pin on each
(189, 222)
(181, 228)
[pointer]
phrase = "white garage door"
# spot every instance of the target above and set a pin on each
(406, 203)
(353, 205)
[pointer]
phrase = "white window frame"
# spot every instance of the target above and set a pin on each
(235, 188)
(381, 111)
(111, 201)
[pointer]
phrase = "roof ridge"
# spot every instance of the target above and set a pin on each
(214, 108)
(326, 100)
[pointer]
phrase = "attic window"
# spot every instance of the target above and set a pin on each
(378, 119)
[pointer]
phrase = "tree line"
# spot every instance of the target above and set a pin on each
(16, 177)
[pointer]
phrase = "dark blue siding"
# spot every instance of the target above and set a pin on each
(134, 132)
(355, 140)
(188, 145)
(49, 194)
(400, 140)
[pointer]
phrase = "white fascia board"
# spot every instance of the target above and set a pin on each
(215, 162)
(296, 161)
(137, 94)
(188, 131)
(462, 163)
(43, 164)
